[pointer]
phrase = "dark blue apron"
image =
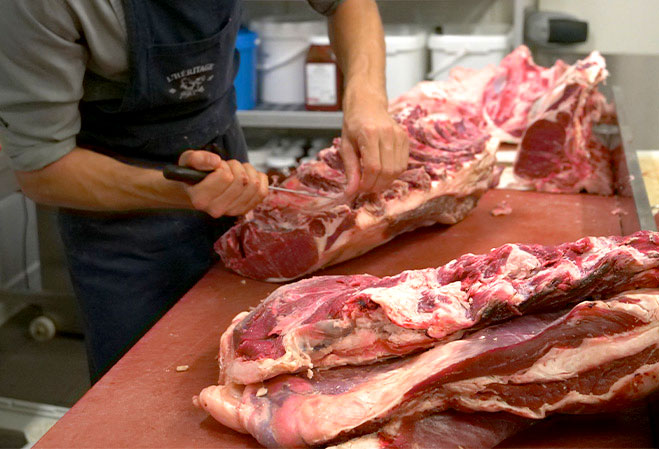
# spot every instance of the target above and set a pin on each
(129, 268)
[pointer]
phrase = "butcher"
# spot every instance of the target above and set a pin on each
(97, 96)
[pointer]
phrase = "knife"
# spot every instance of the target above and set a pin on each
(192, 176)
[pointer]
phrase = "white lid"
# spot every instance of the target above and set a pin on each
(404, 37)
(287, 27)
(280, 161)
(474, 38)
(320, 40)
(258, 156)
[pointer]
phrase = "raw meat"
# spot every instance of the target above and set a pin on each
(460, 96)
(498, 98)
(558, 152)
(549, 112)
(454, 128)
(513, 89)
(502, 208)
(335, 320)
(446, 430)
(598, 356)
(287, 236)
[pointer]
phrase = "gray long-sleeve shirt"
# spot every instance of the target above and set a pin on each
(53, 53)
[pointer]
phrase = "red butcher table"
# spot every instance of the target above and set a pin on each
(143, 401)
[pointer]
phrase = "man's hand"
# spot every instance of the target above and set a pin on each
(233, 188)
(374, 148)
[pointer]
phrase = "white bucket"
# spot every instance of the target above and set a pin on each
(281, 57)
(406, 58)
(470, 46)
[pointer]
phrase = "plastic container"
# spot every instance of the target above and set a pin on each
(282, 52)
(258, 158)
(279, 166)
(323, 79)
(407, 58)
(245, 82)
(471, 46)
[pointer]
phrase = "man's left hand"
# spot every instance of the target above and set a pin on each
(374, 148)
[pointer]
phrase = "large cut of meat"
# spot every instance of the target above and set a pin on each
(454, 127)
(515, 87)
(445, 430)
(499, 97)
(597, 356)
(559, 152)
(548, 112)
(287, 236)
(459, 96)
(330, 321)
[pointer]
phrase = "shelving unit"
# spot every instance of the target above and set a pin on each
(425, 13)
(290, 119)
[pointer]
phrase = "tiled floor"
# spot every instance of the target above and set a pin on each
(53, 372)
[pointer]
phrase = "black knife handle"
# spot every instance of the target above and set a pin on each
(184, 174)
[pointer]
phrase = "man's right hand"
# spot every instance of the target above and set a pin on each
(233, 188)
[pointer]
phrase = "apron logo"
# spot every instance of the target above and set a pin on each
(190, 82)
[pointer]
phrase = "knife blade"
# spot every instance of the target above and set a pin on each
(192, 176)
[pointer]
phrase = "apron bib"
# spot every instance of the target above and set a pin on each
(129, 268)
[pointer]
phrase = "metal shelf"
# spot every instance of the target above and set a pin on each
(289, 117)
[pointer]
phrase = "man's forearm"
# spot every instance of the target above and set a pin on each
(357, 39)
(87, 180)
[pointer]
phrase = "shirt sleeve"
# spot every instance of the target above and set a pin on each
(42, 65)
(325, 7)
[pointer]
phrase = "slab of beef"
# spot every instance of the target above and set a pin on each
(458, 96)
(498, 97)
(558, 152)
(336, 320)
(598, 356)
(451, 165)
(548, 112)
(511, 92)
(445, 430)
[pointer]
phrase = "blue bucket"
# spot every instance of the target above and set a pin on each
(245, 82)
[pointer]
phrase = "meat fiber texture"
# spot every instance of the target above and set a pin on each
(329, 321)
(445, 430)
(598, 356)
(287, 236)
(559, 151)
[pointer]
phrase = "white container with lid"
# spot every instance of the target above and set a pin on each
(284, 41)
(470, 46)
(406, 57)
(258, 158)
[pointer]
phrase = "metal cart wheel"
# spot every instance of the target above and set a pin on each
(42, 328)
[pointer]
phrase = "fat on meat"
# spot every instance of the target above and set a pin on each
(328, 321)
(598, 356)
